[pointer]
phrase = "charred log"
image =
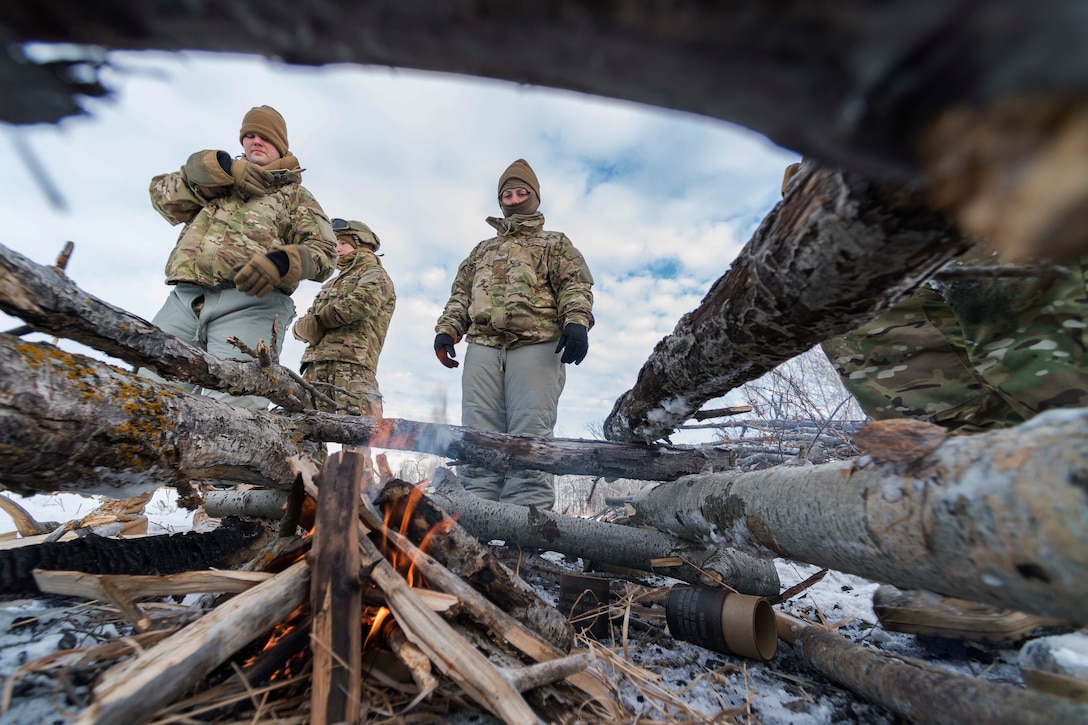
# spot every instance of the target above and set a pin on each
(93, 554)
(837, 251)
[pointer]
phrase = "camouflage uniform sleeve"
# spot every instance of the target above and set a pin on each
(572, 283)
(308, 228)
(454, 319)
(175, 199)
(371, 291)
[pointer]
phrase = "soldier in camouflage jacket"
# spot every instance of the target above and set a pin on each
(250, 233)
(523, 301)
(346, 325)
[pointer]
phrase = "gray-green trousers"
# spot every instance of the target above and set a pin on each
(205, 317)
(512, 391)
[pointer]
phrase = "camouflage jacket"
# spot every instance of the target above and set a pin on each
(973, 354)
(519, 288)
(354, 308)
(223, 232)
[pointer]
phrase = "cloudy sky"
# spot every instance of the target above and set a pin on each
(658, 202)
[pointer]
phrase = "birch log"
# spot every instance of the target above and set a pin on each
(834, 253)
(1000, 517)
(597, 541)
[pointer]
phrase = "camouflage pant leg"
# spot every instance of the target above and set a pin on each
(906, 364)
(353, 385)
(1026, 338)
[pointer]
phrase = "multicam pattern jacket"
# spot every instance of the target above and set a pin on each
(973, 354)
(519, 288)
(354, 308)
(222, 233)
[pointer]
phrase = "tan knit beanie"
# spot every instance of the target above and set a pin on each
(267, 123)
(788, 175)
(517, 174)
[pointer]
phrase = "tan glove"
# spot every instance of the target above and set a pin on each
(258, 276)
(250, 178)
(309, 329)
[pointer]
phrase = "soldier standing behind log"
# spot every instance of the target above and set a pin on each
(514, 296)
(346, 325)
(251, 232)
(971, 354)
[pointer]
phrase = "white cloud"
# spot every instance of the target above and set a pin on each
(659, 202)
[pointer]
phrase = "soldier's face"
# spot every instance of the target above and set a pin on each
(343, 246)
(258, 151)
(513, 197)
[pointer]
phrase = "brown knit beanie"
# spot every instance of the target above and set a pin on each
(787, 177)
(267, 123)
(518, 174)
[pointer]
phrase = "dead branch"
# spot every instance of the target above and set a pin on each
(50, 302)
(918, 691)
(996, 518)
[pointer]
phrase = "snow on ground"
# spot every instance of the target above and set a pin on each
(782, 692)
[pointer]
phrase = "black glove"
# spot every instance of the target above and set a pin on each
(444, 350)
(575, 340)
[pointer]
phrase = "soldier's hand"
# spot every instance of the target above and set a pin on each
(250, 178)
(309, 329)
(574, 343)
(444, 350)
(259, 276)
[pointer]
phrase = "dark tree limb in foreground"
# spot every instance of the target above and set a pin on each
(50, 302)
(984, 100)
(70, 423)
(997, 517)
(834, 253)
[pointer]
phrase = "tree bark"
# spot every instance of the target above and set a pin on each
(50, 302)
(836, 252)
(70, 423)
(921, 692)
(997, 518)
(336, 594)
(601, 542)
(93, 554)
(133, 691)
(855, 86)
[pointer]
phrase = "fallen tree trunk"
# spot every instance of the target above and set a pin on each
(997, 518)
(836, 252)
(600, 542)
(921, 692)
(70, 423)
(50, 302)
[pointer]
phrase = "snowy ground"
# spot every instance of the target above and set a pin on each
(781, 692)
